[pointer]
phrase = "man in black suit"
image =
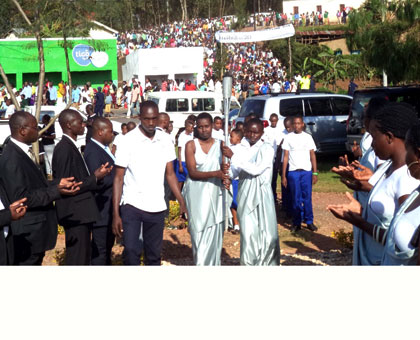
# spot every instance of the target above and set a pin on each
(21, 177)
(97, 153)
(15, 211)
(76, 214)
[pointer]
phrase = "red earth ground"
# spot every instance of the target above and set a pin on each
(302, 248)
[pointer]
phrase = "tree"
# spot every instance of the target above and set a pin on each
(388, 35)
(51, 19)
(333, 67)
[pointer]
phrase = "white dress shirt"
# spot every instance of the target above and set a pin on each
(24, 147)
(79, 149)
(145, 162)
(5, 228)
(105, 147)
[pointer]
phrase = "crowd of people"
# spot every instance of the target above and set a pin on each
(114, 190)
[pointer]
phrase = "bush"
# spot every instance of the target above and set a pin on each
(175, 220)
(343, 238)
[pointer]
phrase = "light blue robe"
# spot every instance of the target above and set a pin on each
(206, 214)
(367, 160)
(257, 213)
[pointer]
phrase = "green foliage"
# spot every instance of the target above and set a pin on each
(332, 67)
(300, 52)
(220, 60)
(174, 219)
(388, 35)
(241, 13)
(344, 238)
(5, 23)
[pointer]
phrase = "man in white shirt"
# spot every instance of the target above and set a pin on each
(180, 165)
(138, 192)
(274, 135)
(299, 153)
(10, 109)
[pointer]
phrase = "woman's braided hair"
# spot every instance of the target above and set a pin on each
(396, 118)
(413, 136)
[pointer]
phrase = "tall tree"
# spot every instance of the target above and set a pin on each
(387, 33)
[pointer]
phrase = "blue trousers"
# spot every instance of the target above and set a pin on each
(142, 230)
(300, 184)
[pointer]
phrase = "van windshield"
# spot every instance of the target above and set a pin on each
(254, 106)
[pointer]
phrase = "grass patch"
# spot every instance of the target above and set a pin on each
(327, 180)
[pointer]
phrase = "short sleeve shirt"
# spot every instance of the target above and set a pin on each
(145, 162)
(299, 146)
(182, 141)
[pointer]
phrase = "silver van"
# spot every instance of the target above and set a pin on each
(325, 115)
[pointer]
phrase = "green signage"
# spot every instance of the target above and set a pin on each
(90, 60)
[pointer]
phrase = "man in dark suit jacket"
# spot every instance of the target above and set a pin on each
(20, 177)
(8, 214)
(97, 153)
(76, 214)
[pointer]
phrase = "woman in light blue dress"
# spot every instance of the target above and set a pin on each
(392, 186)
(204, 192)
(253, 163)
(402, 241)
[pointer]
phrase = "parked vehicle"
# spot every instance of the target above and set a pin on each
(51, 111)
(180, 104)
(361, 98)
(324, 115)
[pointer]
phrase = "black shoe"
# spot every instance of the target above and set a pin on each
(296, 228)
(311, 227)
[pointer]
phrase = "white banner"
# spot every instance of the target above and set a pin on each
(280, 32)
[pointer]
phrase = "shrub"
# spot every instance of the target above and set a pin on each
(344, 238)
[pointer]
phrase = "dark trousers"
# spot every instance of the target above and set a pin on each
(6, 249)
(300, 184)
(78, 244)
(22, 253)
(142, 230)
(99, 110)
(102, 243)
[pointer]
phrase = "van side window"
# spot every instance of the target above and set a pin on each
(291, 107)
(341, 106)
(202, 104)
(318, 107)
(177, 105)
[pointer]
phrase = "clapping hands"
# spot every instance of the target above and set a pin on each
(103, 171)
(355, 176)
(350, 212)
(68, 186)
(18, 209)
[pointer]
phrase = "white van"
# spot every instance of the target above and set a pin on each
(324, 114)
(180, 104)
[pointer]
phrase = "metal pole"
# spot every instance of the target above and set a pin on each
(255, 23)
(227, 93)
